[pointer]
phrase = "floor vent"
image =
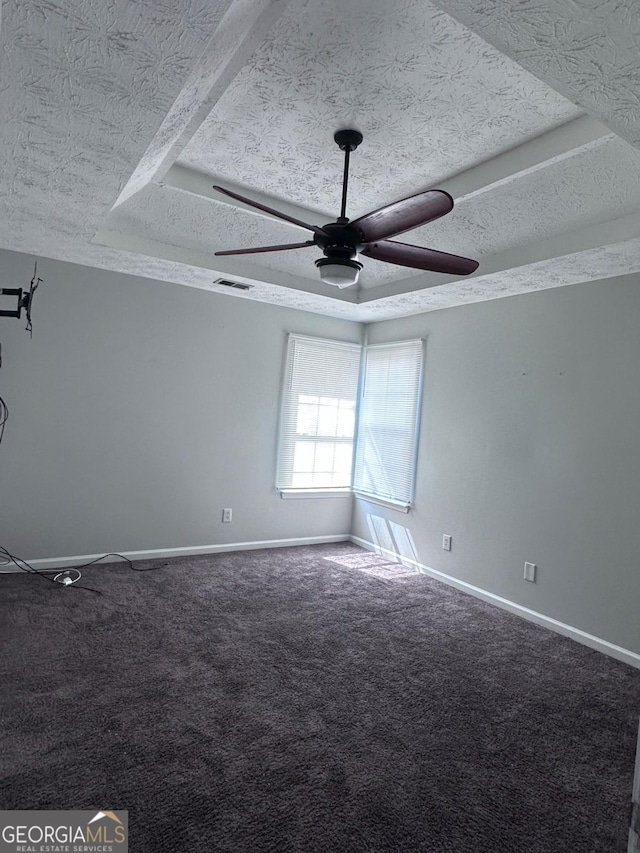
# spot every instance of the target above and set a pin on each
(225, 282)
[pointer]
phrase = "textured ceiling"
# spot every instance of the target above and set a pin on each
(430, 97)
(118, 117)
(589, 50)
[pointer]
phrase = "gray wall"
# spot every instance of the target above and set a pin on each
(530, 450)
(139, 410)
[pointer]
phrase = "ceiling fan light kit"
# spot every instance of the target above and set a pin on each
(341, 273)
(341, 241)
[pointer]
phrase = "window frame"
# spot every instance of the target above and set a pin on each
(294, 492)
(385, 500)
(285, 420)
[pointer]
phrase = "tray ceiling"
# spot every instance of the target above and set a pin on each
(119, 117)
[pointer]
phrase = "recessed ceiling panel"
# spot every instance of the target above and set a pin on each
(430, 97)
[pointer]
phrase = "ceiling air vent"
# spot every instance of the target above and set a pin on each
(225, 282)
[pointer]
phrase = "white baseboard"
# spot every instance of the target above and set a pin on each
(600, 645)
(593, 642)
(158, 554)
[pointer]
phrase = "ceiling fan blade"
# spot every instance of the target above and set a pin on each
(267, 248)
(270, 210)
(406, 255)
(403, 215)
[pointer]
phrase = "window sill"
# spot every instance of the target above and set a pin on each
(296, 494)
(400, 507)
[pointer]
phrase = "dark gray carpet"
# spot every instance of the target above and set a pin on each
(276, 701)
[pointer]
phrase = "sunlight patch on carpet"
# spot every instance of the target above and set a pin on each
(374, 564)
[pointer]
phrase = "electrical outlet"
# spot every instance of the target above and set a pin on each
(226, 516)
(446, 542)
(530, 572)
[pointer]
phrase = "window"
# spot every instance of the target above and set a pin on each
(318, 415)
(388, 422)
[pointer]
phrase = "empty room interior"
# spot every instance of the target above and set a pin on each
(319, 423)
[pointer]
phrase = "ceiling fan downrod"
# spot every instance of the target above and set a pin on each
(347, 141)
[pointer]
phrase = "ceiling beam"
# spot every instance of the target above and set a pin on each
(604, 236)
(575, 137)
(601, 265)
(240, 32)
(232, 268)
(197, 183)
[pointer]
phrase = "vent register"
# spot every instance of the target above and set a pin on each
(226, 282)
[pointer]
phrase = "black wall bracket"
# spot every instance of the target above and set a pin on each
(23, 300)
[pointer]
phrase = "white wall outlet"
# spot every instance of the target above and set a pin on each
(226, 516)
(446, 542)
(530, 572)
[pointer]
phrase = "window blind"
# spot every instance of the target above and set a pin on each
(386, 446)
(317, 421)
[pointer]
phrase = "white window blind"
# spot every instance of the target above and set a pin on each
(317, 421)
(388, 421)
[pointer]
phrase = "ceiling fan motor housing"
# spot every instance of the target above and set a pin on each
(338, 240)
(340, 247)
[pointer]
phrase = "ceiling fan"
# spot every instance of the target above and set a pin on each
(342, 241)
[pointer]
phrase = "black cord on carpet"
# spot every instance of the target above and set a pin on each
(27, 567)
